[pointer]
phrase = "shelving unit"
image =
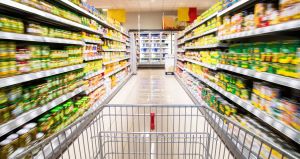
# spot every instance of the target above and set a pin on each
(282, 27)
(116, 71)
(91, 55)
(235, 6)
(153, 46)
(58, 142)
(201, 64)
(114, 61)
(44, 15)
(114, 50)
(9, 81)
(275, 124)
(114, 39)
(206, 46)
(200, 35)
(41, 39)
(90, 75)
(91, 89)
(93, 41)
(28, 116)
(195, 25)
(92, 58)
(277, 79)
(78, 9)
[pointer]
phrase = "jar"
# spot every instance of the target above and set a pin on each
(45, 123)
(14, 93)
(32, 127)
(16, 109)
(288, 51)
(56, 116)
(14, 140)
(68, 108)
(24, 137)
(245, 94)
(6, 148)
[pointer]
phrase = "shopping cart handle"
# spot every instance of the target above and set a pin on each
(152, 125)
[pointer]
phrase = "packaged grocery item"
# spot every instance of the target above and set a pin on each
(32, 127)
(14, 140)
(10, 24)
(24, 137)
(289, 10)
(45, 123)
(6, 148)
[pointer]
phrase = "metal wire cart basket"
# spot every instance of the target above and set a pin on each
(154, 132)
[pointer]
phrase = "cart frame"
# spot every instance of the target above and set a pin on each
(220, 137)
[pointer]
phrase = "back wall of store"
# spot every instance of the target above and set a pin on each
(148, 20)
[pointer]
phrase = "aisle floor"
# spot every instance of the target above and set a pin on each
(151, 86)
(180, 131)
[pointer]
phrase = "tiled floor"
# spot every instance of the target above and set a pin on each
(151, 86)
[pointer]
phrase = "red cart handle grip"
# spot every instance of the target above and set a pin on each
(152, 125)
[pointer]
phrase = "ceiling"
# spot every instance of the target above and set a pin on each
(151, 5)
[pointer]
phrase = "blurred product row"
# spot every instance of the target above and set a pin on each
(56, 64)
(242, 59)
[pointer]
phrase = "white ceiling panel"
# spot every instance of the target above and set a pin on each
(151, 5)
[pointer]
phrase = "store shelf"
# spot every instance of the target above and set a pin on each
(201, 64)
(215, 120)
(28, 116)
(116, 71)
(235, 6)
(92, 58)
(281, 80)
(114, 39)
(180, 67)
(114, 61)
(181, 43)
(93, 41)
(76, 8)
(8, 81)
(91, 89)
(47, 16)
(90, 75)
(200, 35)
(276, 124)
(33, 38)
(180, 36)
(201, 22)
(292, 25)
(181, 59)
(114, 50)
(206, 47)
(59, 142)
(180, 50)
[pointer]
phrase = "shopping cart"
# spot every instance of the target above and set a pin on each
(154, 132)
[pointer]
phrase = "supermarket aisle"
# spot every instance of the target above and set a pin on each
(152, 86)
